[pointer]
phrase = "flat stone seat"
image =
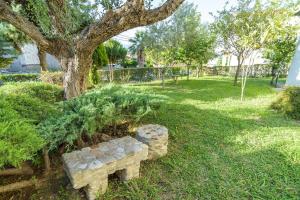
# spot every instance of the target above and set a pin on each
(90, 167)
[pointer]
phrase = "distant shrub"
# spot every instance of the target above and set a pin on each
(95, 110)
(289, 102)
(52, 78)
(19, 140)
(19, 77)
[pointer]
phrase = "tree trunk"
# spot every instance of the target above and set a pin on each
(76, 69)
(237, 73)
(188, 72)
(47, 162)
(43, 61)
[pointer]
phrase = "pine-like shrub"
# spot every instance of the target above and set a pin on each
(289, 102)
(19, 140)
(31, 100)
(95, 110)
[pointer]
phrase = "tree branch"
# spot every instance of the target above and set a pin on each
(132, 14)
(21, 23)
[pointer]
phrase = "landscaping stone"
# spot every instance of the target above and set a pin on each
(90, 167)
(156, 137)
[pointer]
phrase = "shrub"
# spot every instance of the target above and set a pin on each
(94, 76)
(96, 110)
(19, 77)
(33, 101)
(19, 140)
(289, 102)
(52, 78)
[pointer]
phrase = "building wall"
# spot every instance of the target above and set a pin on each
(294, 73)
(29, 61)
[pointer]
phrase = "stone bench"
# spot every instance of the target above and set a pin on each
(90, 167)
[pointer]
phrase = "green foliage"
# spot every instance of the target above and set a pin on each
(115, 51)
(32, 101)
(129, 63)
(95, 110)
(7, 53)
(94, 75)
(19, 140)
(289, 102)
(19, 77)
(100, 57)
(181, 39)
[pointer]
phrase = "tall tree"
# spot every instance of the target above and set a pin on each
(100, 59)
(138, 47)
(181, 39)
(72, 29)
(116, 54)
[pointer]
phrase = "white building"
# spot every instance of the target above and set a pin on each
(29, 61)
(294, 73)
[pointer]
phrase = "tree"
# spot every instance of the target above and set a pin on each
(279, 53)
(181, 39)
(116, 53)
(137, 47)
(72, 29)
(231, 25)
(100, 59)
(7, 53)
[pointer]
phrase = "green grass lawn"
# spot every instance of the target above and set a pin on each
(219, 147)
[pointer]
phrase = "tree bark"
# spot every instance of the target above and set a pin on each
(76, 69)
(42, 58)
(47, 162)
(237, 73)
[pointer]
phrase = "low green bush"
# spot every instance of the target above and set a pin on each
(19, 77)
(19, 140)
(34, 101)
(289, 102)
(96, 110)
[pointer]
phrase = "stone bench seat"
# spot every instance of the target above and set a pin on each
(90, 167)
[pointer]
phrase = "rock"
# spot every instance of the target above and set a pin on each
(156, 137)
(90, 167)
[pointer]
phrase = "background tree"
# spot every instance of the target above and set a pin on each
(280, 53)
(181, 39)
(100, 59)
(138, 48)
(72, 29)
(7, 53)
(231, 26)
(116, 54)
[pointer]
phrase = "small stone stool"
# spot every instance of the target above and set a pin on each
(90, 167)
(156, 137)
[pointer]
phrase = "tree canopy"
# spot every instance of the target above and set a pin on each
(72, 29)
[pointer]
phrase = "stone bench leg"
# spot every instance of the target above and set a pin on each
(132, 171)
(96, 187)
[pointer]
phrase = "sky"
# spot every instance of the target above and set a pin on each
(205, 7)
